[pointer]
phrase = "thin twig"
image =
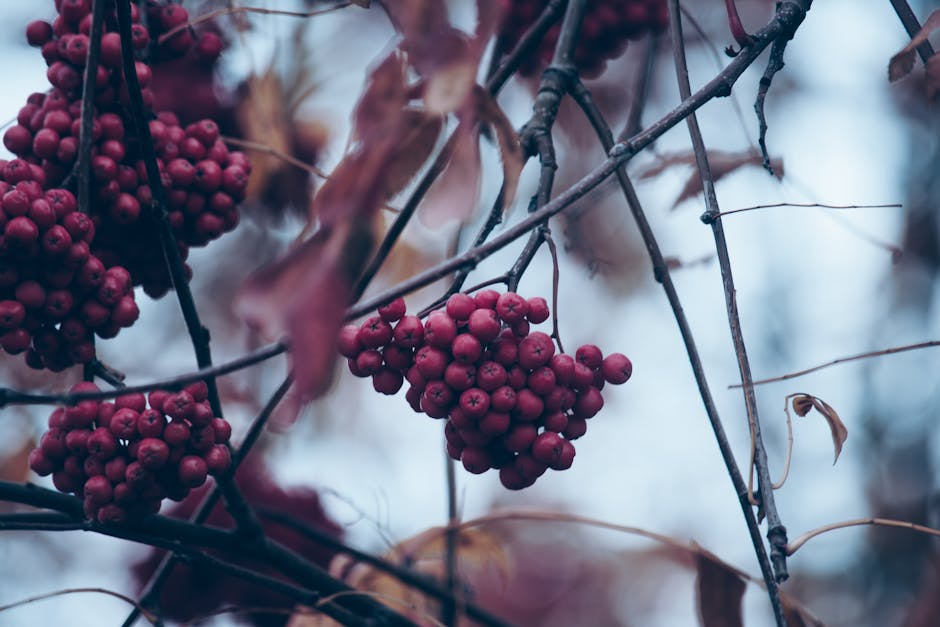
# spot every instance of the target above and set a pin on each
(794, 546)
(662, 275)
(776, 532)
(640, 91)
(842, 360)
(274, 152)
(58, 593)
(151, 591)
(234, 10)
(451, 581)
(722, 214)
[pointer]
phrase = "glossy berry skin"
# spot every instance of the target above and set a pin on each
(508, 400)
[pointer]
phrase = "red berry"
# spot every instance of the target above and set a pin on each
(409, 332)
(503, 399)
(538, 310)
(466, 348)
(590, 355)
(440, 330)
(512, 479)
(528, 405)
(38, 33)
(124, 423)
(617, 368)
(494, 423)
(102, 444)
(474, 402)
(150, 424)
(40, 463)
(536, 350)
(575, 429)
(98, 490)
(476, 460)
(176, 433)
(192, 471)
(520, 437)
(218, 459)
(511, 307)
(486, 299)
(393, 311)
(387, 381)
(152, 453)
(547, 447)
(542, 381)
(460, 306)
(484, 325)
(375, 332)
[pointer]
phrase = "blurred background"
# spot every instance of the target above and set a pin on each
(812, 285)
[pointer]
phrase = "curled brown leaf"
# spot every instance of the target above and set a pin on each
(902, 63)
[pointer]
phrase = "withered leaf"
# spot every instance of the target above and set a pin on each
(304, 295)
(456, 192)
(796, 613)
(510, 150)
(477, 552)
(382, 101)
(839, 432)
(421, 131)
(802, 403)
(932, 73)
(902, 63)
(721, 164)
(719, 591)
(14, 466)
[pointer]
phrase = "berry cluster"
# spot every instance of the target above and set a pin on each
(204, 180)
(123, 459)
(510, 401)
(55, 295)
(607, 26)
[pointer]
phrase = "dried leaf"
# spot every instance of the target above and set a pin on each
(902, 63)
(456, 192)
(449, 87)
(261, 118)
(14, 466)
(932, 74)
(839, 431)
(478, 551)
(418, 143)
(510, 150)
(719, 591)
(796, 613)
(802, 403)
(304, 296)
(382, 101)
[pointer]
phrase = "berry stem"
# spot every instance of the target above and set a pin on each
(737, 28)
(241, 512)
(89, 89)
(150, 594)
(157, 211)
(776, 532)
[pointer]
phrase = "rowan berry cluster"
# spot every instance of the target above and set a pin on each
(511, 403)
(605, 31)
(55, 295)
(124, 458)
(204, 181)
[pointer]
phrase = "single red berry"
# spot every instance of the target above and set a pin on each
(53, 445)
(511, 307)
(541, 381)
(490, 375)
(474, 402)
(617, 368)
(460, 376)
(536, 350)
(583, 377)
(409, 332)
(590, 355)
(369, 362)
(503, 399)
(520, 437)
(486, 299)
(476, 460)
(98, 489)
(393, 311)
(150, 424)
(125, 312)
(466, 348)
(460, 306)
(397, 358)
(102, 444)
(375, 332)
(152, 453)
(512, 479)
(529, 406)
(440, 330)
(40, 463)
(484, 325)
(76, 441)
(176, 433)
(575, 429)
(38, 33)
(547, 447)
(114, 469)
(538, 310)
(431, 362)
(218, 459)
(529, 467)
(222, 430)
(124, 423)
(178, 405)
(387, 381)
(192, 471)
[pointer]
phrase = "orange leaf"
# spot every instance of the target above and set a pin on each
(839, 431)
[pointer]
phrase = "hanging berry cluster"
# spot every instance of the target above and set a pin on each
(204, 180)
(607, 26)
(510, 401)
(55, 295)
(124, 458)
